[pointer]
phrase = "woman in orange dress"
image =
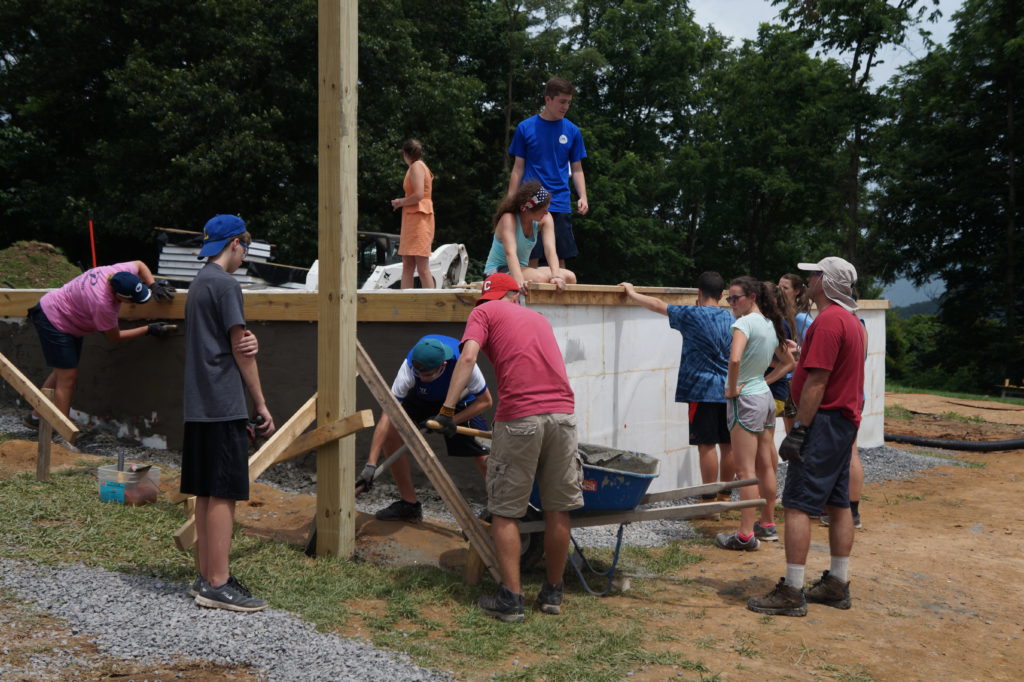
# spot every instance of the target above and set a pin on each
(417, 207)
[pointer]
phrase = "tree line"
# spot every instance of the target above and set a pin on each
(704, 153)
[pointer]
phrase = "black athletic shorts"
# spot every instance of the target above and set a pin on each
(708, 424)
(458, 445)
(61, 350)
(215, 460)
(822, 477)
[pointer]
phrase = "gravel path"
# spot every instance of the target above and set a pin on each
(96, 602)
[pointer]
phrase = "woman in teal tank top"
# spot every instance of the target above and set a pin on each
(520, 220)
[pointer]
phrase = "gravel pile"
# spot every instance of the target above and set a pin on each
(99, 603)
(145, 619)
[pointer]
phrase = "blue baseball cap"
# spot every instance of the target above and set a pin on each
(218, 231)
(130, 286)
(431, 354)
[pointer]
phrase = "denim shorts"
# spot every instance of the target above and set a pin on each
(61, 350)
(565, 241)
(822, 477)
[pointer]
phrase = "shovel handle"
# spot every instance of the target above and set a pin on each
(464, 430)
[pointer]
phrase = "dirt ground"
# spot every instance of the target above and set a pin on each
(935, 575)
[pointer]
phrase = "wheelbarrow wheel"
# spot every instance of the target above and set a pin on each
(531, 545)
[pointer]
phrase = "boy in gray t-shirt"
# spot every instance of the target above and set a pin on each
(220, 364)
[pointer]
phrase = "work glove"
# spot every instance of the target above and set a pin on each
(366, 476)
(161, 329)
(162, 289)
(792, 446)
(446, 425)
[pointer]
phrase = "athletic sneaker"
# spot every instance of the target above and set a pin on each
(766, 533)
(856, 520)
(505, 606)
(400, 510)
(783, 600)
(830, 591)
(30, 421)
(549, 599)
(732, 541)
(197, 586)
(232, 595)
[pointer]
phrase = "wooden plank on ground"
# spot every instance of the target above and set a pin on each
(428, 462)
(325, 434)
(43, 405)
(45, 443)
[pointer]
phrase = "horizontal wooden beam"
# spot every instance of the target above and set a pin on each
(449, 305)
(610, 518)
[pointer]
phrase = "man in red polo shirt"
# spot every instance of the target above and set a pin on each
(828, 389)
(534, 438)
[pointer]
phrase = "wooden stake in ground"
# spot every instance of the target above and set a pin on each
(45, 442)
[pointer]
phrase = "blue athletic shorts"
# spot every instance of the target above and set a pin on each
(822, 477)
(565, 242)
(61, 350)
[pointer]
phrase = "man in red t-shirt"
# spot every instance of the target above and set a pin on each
(534, 438)
(828, 389)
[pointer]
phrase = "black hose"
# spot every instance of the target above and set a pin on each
(972, 446)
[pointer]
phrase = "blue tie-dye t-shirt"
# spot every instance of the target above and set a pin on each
(704, 362)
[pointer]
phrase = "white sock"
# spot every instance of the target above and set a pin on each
(795, 575)
(840, 568)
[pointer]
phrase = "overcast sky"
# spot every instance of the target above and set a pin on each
(740, 19)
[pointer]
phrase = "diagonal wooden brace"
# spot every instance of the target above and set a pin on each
(45, 407)
(428, 462)
(283, 445)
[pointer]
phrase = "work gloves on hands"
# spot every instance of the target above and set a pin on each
(791, 448)
(446, 424)
(162, 289)
(161, 329)
(365, 477)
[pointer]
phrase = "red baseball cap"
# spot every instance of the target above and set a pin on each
(496, 286)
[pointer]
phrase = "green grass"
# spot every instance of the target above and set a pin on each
(898, 412)
(899, 388)
(425, 611)
(957, 417)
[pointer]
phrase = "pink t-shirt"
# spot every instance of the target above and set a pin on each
(87, 303)
(526, 358)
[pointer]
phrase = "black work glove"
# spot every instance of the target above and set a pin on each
(792, 446)
(366, 476)
(446, 425)
(162, 289)
(161, 329)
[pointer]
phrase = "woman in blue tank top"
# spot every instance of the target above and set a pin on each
(521, 219)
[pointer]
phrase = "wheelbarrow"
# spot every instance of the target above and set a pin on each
(615, 484)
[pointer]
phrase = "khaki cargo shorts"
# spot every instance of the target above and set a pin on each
(540, 446)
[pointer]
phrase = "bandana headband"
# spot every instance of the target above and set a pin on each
(537, 199)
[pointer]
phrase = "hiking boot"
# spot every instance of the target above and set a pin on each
(732, 541)
(232, 596)
(830, 591)
(400, 510)
(30, 421)
(856, 521)
(197, 586)
(766, 533)
(783, 600)
(725, 496)
(505, 606)
(549, 599)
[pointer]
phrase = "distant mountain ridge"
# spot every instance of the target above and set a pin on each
(922, 308)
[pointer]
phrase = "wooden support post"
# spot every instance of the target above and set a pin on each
(428, 462)
(45, 442)
(43, 405)
(337, 52)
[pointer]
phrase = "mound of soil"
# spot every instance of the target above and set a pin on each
(35, 265)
